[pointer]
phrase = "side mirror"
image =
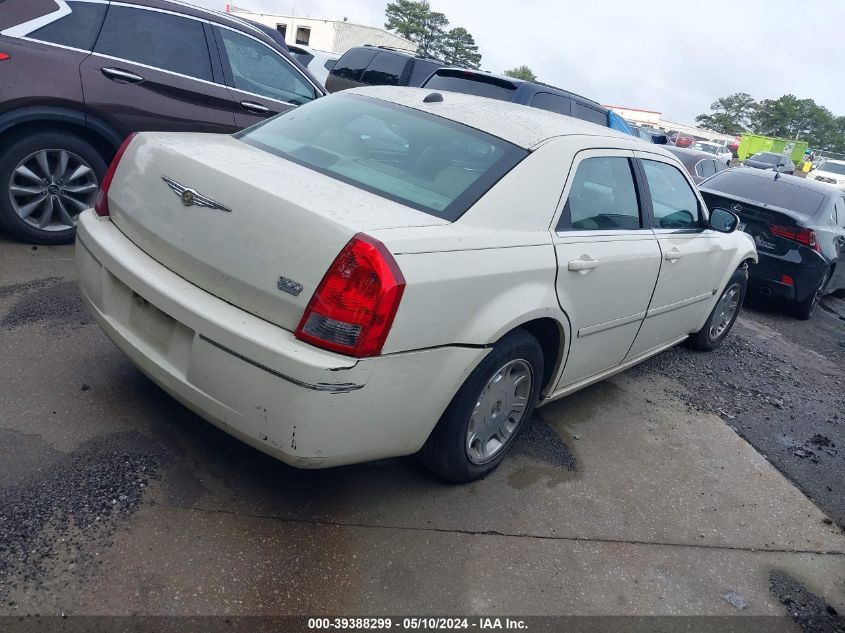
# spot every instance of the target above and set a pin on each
(723, 220)
(660, 139)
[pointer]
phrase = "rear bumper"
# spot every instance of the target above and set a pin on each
(305, 406)
(803, 265)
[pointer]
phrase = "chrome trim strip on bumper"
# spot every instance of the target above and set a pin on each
(340, 387)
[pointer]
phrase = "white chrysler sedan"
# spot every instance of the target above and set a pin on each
(389, 271)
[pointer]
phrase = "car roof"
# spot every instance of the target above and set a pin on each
(518, 124)
(538, 85)
(690, 153)
(795, 181)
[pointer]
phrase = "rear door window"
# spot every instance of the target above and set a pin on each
(588, 113)
(259, 69)
(705, 168)
(602, 196)
(673, 200)
(161, 40)
(552, 102)
(352, 64)
(385, 70)
(78, 29)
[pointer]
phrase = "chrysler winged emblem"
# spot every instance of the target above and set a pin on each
(191, 197)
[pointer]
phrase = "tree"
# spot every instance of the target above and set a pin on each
(791, 117)
(414, 20)
(729, 115)
(522, 72)
(458, 48)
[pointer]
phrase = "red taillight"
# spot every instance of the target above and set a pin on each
(101, 206)
(354, 306)
(807, 237)
(4, 57)
(787, 280)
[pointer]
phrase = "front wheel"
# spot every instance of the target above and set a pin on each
(723, 316)
(488, 412)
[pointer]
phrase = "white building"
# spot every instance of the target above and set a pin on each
(652, 118)
(327, 35)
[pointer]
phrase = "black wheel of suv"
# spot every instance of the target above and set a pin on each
(488, 412)
(46, 180)
(804, 309)
(723, 316)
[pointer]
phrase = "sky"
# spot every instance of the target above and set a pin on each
(672, 56)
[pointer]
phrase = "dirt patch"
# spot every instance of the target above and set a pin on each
(45, 300)
(67, 510)
(808, 610)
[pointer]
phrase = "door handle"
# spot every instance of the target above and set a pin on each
(673, 255)
(254, 107)
(121, 76)
(582, 265)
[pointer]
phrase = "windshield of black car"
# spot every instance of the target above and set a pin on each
(762, 190)
(834, 168)
(765, 157)
(426, 162)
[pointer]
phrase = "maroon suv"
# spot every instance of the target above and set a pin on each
(76, 77)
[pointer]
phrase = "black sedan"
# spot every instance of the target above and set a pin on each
(798, 226)
(770, 161)
(700, 165)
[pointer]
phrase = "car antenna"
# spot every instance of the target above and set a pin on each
(777, 175)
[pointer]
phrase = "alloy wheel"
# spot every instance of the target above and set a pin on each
(51, 187)
(499, 410)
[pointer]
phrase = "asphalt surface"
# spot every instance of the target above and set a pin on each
(778, 382)
(637, 495)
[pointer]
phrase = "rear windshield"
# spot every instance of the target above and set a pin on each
(766, 157)
(471, 84)
(423, 161)
(763, 191)
(834, 168)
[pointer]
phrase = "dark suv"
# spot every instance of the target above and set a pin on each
(77, 79)
(379, 66)
(530, 93)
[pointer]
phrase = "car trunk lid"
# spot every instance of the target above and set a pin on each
(284, 226)
(757, 221)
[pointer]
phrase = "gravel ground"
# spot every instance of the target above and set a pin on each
(778, 382)
(81, 498)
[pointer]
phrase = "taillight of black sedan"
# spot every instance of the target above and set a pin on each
(798, 226)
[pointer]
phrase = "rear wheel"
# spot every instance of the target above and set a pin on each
(804, 309)
(723, 316)
(488, 412)
(46, 180)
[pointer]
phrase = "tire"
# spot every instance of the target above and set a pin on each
(803, 310)
(724, 314)
(50, 207)
(448, 451)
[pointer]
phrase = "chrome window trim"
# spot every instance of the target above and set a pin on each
(21, 32)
